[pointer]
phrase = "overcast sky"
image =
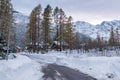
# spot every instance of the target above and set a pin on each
(92, 11)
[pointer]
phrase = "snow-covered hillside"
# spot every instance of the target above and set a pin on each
(92, 31)
(21, 21)
(83, 28)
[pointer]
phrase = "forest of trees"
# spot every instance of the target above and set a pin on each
(40, 35)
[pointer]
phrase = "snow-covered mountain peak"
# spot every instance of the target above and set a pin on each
(81, 27)
(92, 31)
(82, 24)
(20, 18)
(110, 23)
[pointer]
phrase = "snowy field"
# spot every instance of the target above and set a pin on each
(102, 68)
(20, 68)
(24, 68)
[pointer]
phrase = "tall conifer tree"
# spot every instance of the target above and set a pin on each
(112, 37)
(46, 23)
(68, 36)
(33, 28)
(7, 32)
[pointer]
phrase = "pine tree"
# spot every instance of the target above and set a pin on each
(112, 38)
(33, 32)
(46, 23)
(68, 35)
(56, 21)
(63, 28)
(7, 17)
(117, 37)
(2, 11)
(56, 15)
(89, 43)
(62, 18)
(98, 40)
(6, 22)
(3, 48)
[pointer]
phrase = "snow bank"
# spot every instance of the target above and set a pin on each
(102, 68)
(20, 68)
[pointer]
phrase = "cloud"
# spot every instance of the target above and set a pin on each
(107, 9)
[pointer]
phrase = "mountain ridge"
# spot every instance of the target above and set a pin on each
(81, 27)
(92, 31)
(21, 22)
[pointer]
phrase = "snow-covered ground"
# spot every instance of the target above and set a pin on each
(102, 68)
(24, 68)
(20, 68)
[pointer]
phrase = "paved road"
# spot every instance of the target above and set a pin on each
(56, 72)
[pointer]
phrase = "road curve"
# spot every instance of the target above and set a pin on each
(56, 72)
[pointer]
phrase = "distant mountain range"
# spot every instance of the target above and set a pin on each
(92, 31)
(81, 27)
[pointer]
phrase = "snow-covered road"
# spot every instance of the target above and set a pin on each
(25, 68)
(100, 67)
(57, 72)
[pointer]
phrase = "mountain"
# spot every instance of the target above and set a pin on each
(21, 21)
(92, 31)
(84, 29)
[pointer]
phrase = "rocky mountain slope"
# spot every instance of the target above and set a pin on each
(92, 31)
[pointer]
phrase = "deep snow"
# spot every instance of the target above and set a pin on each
(100, 67)
(20, 68)
(24, 68)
